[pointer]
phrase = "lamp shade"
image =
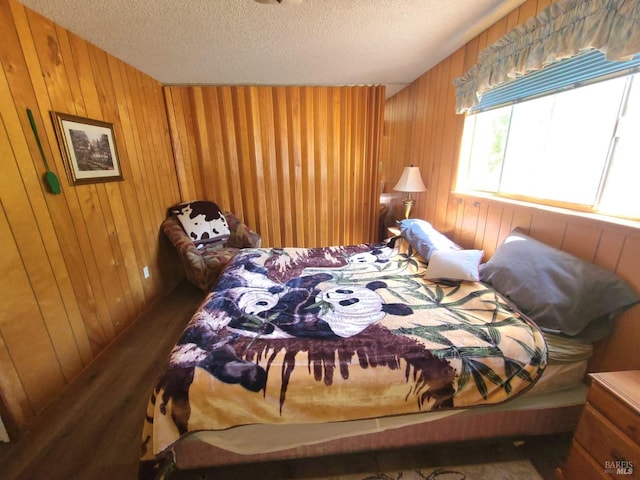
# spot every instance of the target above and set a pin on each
(410, 181)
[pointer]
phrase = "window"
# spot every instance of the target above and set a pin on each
(577, 146)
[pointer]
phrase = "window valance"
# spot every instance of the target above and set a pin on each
(560, 31)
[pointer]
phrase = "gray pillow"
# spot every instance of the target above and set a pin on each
(424, 238)
(560, 292)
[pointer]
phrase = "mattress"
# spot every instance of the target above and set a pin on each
(302, 346)
(561, 385)
(567, 365)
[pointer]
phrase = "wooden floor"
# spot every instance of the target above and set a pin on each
(92, 430)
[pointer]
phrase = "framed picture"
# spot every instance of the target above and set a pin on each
(88, 148)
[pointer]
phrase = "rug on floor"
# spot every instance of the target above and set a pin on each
(511, 470)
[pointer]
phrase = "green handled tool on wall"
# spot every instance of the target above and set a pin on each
(49, 177)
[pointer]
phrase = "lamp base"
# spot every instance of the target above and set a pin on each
(408, 203)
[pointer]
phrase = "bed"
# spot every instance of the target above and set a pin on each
(302, 352)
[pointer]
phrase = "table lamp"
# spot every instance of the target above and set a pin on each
(410, 182)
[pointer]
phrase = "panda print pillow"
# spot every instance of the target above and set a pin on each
(203, 222)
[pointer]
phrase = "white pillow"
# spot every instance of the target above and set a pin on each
(454, 265)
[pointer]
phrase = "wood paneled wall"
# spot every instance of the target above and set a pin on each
(71, 264)
(298, 164)
(421, 127)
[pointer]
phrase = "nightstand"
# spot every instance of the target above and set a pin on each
(606, 443)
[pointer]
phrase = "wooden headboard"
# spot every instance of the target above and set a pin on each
(620, 351)
(484, 223)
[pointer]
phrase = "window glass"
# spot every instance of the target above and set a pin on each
(487, 146)
(556, 149)
(579, 148)
(621, 194)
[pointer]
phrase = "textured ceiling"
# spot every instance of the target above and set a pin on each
(241, 42)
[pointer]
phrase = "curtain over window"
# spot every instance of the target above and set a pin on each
(562, 30)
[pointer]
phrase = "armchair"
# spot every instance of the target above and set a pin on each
(203, 260)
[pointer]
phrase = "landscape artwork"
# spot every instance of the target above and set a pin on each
(89, 149)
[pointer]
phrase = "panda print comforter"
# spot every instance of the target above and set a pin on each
(301, 335)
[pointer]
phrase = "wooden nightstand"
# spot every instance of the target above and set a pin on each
(607, 439)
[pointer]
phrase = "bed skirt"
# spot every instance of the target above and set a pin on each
(556, 412)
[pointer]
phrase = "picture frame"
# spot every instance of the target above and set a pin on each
(88, 149)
